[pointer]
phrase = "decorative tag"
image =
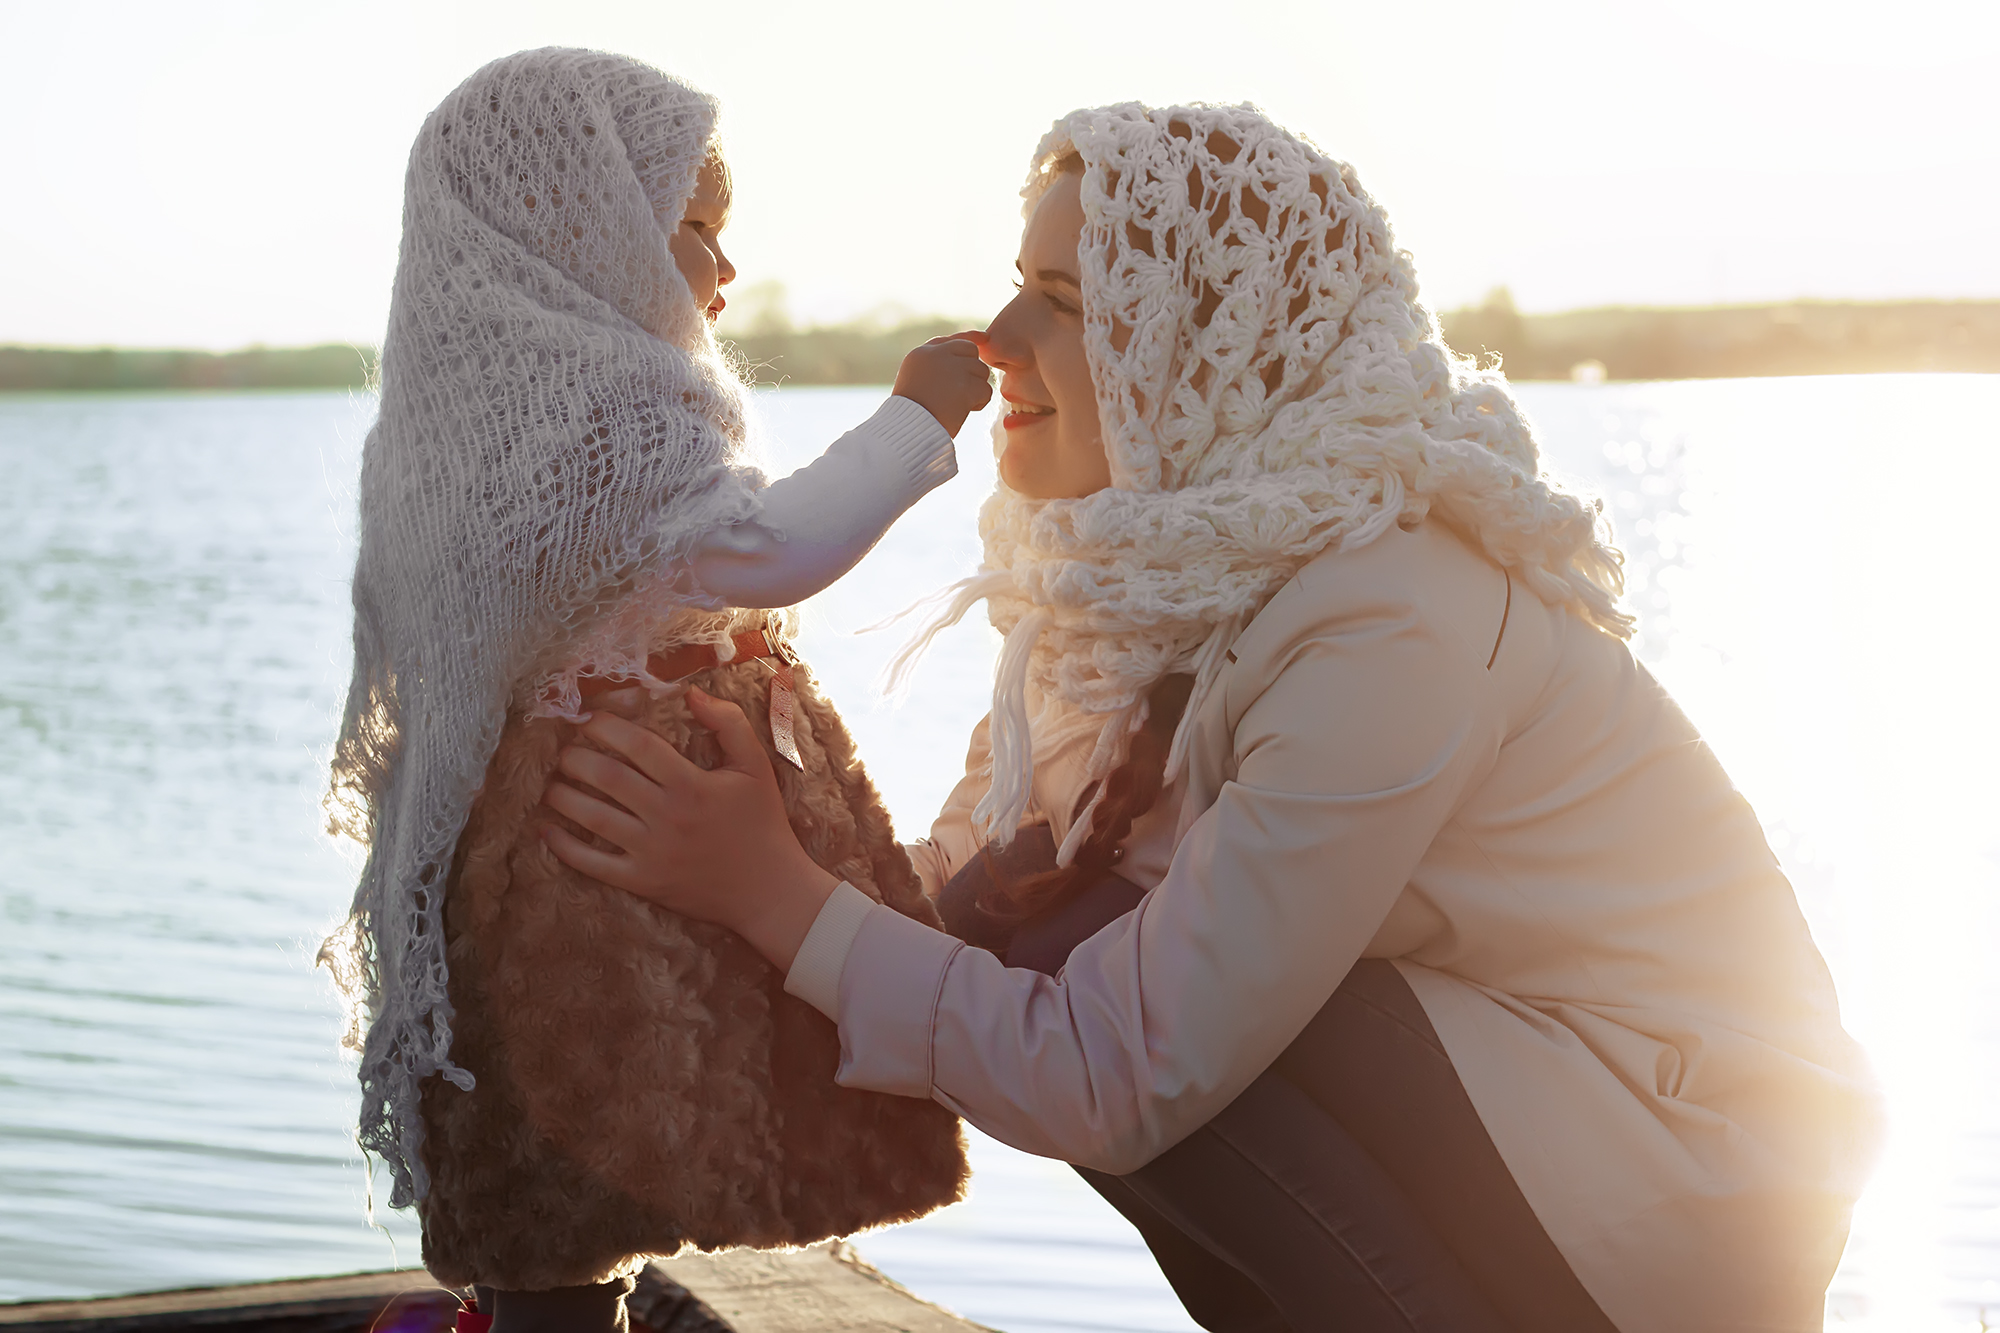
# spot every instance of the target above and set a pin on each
(784, 708)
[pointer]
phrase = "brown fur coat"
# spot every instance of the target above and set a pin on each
(644, 1083)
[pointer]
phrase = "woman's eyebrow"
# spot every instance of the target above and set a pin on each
(1057, 275)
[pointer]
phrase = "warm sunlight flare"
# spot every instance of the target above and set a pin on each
(605, 644)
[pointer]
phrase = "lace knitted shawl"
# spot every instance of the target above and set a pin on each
(1270, 388)
(556, 429)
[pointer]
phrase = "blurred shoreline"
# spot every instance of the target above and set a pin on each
(1612, 343)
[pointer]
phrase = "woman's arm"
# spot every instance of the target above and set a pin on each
(1347, 765)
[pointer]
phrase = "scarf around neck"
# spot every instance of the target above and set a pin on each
(1270, 388)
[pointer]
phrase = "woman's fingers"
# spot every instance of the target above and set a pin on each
(741, 750)
(610, 774)
(605, 820)
(647, 752)
(626, 701)
(605, 867)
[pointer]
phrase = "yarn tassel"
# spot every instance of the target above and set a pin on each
(1079, 830)
(959, 598)
(999, 812)
(1111, 738)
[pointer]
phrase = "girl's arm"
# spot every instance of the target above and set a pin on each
(818, 522)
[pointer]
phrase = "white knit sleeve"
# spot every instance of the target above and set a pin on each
(817, 523)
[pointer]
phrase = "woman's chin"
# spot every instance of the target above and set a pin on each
(1032, 465)
(1019, 473)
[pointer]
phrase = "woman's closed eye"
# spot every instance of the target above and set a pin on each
(1056, 302)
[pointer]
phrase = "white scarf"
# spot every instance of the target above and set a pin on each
(541, 459)
(1270, 388)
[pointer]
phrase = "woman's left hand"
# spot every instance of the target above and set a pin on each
(714, 845)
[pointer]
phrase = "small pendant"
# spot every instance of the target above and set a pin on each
(784, 711)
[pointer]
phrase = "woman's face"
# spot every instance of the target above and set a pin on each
(696, 244)
(1054, 448)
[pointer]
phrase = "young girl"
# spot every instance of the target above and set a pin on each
(556, 500)
(1451, 985)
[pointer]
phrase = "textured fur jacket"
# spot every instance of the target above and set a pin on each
(644, 1082)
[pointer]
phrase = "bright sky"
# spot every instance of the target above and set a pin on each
(209, 173)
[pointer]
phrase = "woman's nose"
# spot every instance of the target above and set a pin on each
(725, 272)
(1005, 347)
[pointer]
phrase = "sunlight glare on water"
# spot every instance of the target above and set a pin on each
(1809, 557)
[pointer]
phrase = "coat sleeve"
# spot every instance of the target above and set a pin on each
(1365, 730)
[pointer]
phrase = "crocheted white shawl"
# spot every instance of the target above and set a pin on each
(1270, 388)
(556, 429)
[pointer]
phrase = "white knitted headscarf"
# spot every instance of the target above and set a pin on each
(1270, 387)
(556, 428)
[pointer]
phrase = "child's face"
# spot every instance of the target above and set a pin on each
(697, 243)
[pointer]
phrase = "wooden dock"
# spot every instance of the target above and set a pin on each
(824, 1289)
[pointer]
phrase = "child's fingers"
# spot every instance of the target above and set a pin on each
(606, 821)
(579, 855)
(646, 751)
(974, 337)
(741, 750)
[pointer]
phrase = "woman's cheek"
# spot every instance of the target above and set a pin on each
(1085, 470)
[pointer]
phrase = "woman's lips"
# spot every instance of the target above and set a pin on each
(1022, 415)
(717, 306)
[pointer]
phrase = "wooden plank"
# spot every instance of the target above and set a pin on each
(306, 1305)
(825, 1289)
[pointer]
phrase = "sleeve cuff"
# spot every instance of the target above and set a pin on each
(907, 432)
(816, 968)
(889, 994)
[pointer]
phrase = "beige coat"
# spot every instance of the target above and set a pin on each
(1585, 906)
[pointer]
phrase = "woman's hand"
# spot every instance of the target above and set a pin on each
(712, 845)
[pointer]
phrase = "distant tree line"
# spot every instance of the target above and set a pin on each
(860, 353)
(1715, 342)
(332, 366)
(1621, 343)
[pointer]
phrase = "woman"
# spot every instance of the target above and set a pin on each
(1462, 990)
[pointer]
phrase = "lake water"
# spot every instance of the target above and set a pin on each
(1813, 560)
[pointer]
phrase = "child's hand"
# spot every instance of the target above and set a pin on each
(716, 846)
(947, 379)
